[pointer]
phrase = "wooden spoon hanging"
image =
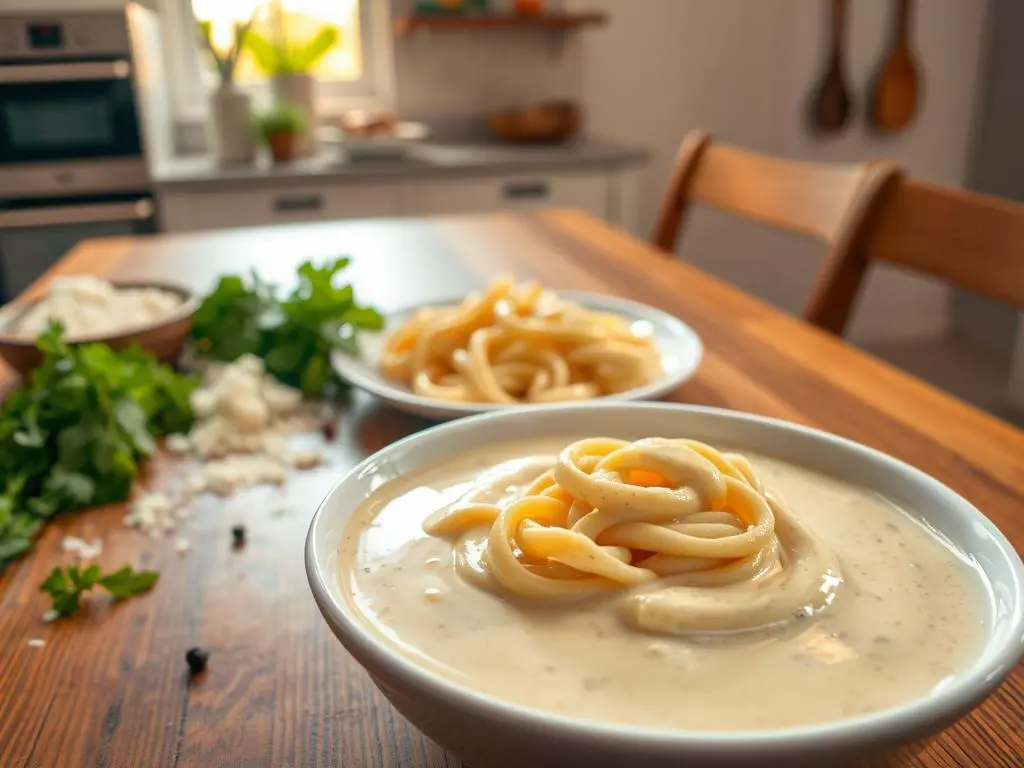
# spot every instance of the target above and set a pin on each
(897, 89)
(831, 104)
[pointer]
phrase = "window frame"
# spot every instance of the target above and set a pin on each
(190, 96)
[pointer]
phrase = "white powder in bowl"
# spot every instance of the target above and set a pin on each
(89, 306)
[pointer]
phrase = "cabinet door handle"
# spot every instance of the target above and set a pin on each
(525, 190)
(293, 203)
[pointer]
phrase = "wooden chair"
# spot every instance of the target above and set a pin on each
(828, 202)
(971, 240)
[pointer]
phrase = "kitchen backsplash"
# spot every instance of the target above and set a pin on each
(462, 74)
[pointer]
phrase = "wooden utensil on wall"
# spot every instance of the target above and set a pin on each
(830, 102)
(898, 87)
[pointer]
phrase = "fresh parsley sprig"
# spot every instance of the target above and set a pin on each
(66, 587)
(74, 436)
(294, 335)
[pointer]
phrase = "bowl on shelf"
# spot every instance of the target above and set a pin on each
(164, 339)
(484, 729)
(545, 122)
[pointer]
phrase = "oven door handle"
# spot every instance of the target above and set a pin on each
(65, 73)
(88, 213)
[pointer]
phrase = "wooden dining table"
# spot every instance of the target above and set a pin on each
(110, 686)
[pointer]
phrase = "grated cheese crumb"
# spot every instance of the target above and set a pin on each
(242, 409)
(82, 549)
(152, 513)
(178, 444)
(36, 642)
(182, 545)
(243, 415)
(49, 616)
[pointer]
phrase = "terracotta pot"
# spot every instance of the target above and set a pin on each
(530, 7)
(283, 146)
(299, 90)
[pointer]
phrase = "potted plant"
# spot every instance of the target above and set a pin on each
(281, 128)
(231, 136)
(289, 65)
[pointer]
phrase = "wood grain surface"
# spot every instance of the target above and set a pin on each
(109, 689)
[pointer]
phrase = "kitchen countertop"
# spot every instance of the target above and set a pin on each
(428, 160)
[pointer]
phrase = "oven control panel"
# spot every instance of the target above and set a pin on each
(62, 36)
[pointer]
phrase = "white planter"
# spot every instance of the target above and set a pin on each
(232, 138)
(299, 90)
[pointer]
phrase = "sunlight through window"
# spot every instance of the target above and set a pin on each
(293, 21)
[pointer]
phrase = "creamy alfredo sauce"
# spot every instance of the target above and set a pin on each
(909, 615)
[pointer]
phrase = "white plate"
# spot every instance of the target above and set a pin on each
(680, 347)
(404, 136)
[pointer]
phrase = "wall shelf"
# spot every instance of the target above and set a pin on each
(410, 25)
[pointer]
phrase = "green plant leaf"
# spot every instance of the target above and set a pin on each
(127, 582)
(364, 317)
(307, 55)
(76, 488)
(206, 31)
(66, 587)
(56, 583)
(283, 118)
(265, 52)
(296, 333)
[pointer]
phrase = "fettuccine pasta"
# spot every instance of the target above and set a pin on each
(518, 344)
(690, 531)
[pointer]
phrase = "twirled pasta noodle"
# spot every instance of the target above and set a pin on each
(518, 343)
(691, 531)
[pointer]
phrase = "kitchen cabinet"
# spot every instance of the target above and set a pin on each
(605, 193)
(586, 191)
(273, 204)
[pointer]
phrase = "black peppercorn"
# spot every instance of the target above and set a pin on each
(238, 535)
(196, 659)
(330, 430)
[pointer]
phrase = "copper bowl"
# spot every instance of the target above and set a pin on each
(165, 339)
(550, 121)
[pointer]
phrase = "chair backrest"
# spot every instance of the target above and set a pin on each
(973, 241)
(827, 202)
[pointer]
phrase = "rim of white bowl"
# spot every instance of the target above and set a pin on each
(352, 369)
(998, 655)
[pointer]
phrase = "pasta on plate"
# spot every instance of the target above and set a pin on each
(517, 343)
(690, 530)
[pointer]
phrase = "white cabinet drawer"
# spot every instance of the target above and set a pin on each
(252, 208)
(588, 192)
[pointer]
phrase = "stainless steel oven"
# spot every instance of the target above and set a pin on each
(71, 153)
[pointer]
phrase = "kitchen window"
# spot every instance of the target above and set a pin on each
(357, 72)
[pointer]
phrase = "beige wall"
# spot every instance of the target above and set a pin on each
(742, 69)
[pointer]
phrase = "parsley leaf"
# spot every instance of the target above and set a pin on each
(73, 437)
(294, 335)
(126, 582)
(66, 587)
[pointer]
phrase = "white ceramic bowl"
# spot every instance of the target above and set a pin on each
(679, 345)
(489, 733)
